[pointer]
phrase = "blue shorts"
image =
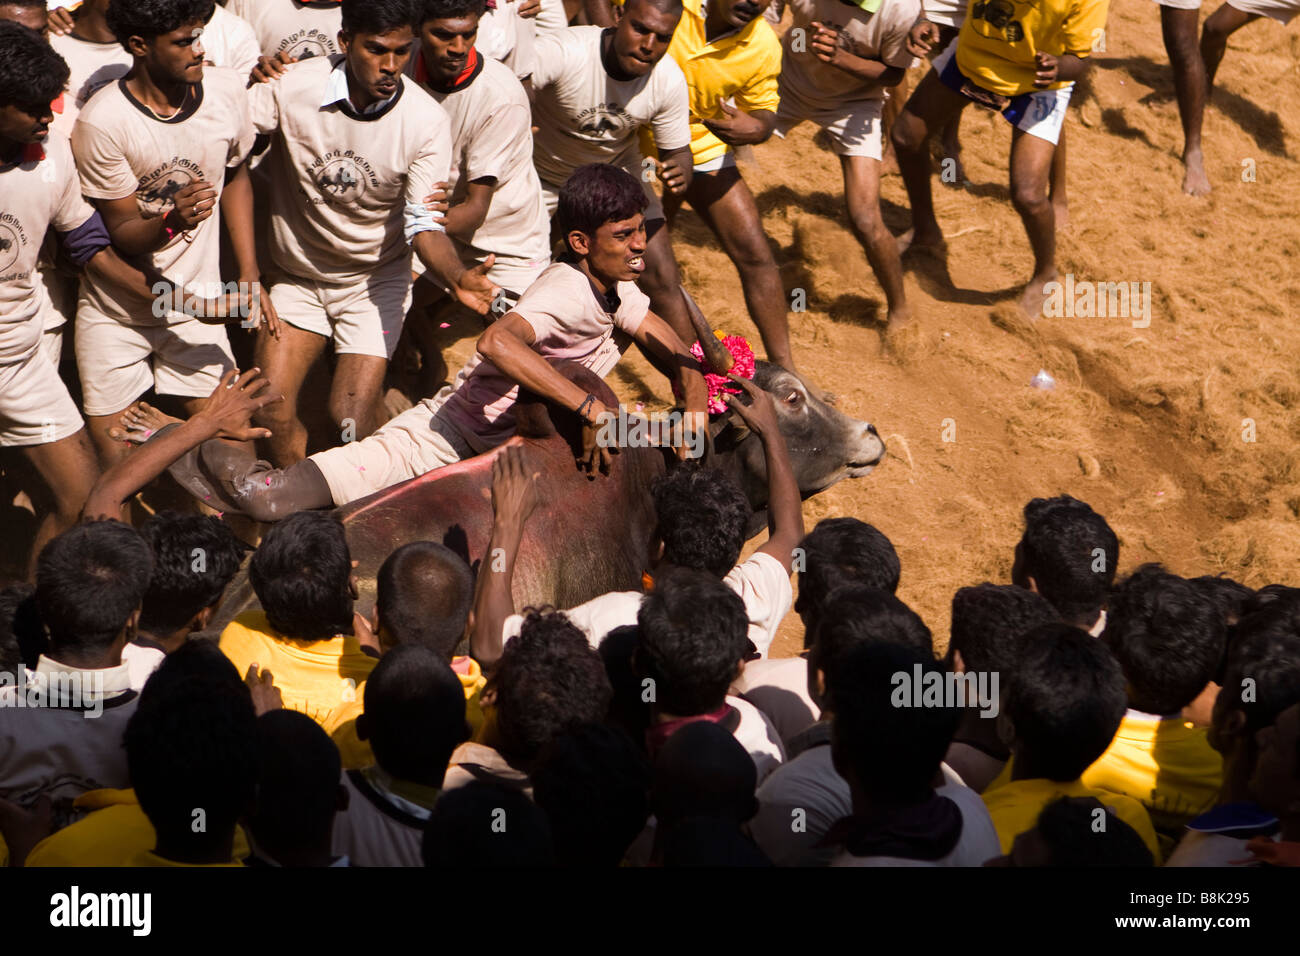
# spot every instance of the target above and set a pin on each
(1040, 114)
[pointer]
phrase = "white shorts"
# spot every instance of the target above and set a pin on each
(654, 208)
(1041, 113)
(718, 163)
(1181, 4)
(35, 407)
(1283, 11)
(854, 128)
(945, 13)
(118, 363)
(415, 442)
(363, 317)
(512, 273)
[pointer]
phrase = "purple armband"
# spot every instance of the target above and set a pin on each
(81, 244)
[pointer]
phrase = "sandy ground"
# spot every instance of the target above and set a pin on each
(1146, 424)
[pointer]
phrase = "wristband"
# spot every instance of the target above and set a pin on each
(586, 405)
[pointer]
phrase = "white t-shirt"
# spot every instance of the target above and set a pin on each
(379, 828)
(570, 324)
(34, 196)
(228, 40)
(491, 136)
(583, 115)
(977, 844)
(508, 38)
(759, 738)
(92, 66)
(761, 582)
(778, 686)
(874, 36)
(123, 149)
(302, 30)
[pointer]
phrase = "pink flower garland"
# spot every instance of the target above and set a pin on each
(718, 384)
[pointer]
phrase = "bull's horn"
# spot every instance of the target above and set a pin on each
(716, 355)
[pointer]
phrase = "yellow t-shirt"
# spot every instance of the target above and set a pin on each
(322, 679)
(1166, 765)
(744, 65)
(999, 38)
(115, 834)
(1015, 808)
(472, 682)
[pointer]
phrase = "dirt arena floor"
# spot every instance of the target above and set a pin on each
(1146, 424)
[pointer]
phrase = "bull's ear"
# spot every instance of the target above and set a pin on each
(728, 431)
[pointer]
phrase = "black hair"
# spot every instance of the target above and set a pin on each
(191, 746)
(449, 9)
(596, 194)
(892, 750)
(414, 714)
(1231, 597)
(594, 784)
(708, 842)
(89, 580)
(1066, 700)
(1168, 635)
(378, 16)
(694, 634)
(666, 6)
(148, 19)
(22, 636)
(989, 620)
(302, 576)
(548, 680)
(628, 709)
(424, 591)
(32, 75)
(1059, 550)
(487, 825)
(857, 615)
(1068, 829)
(842, 551)
(297, 784)
(702, 515)
(1262, 674)
(703, 771)
(194, 558)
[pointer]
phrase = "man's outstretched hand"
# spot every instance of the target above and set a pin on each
(232, 403)
(514, 488)
(474, 289)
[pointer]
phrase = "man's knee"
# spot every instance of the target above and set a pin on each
(909, 133)
(1029, 196)
(866, 220)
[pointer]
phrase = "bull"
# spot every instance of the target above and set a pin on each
(587, 537)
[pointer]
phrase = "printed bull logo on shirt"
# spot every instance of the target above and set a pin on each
(604, 121)
(306, 44)
(1000, 14)
(11, 243)
(156, 191)
(341, 177)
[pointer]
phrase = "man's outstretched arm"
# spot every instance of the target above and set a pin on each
(514, 496)
(226, 414)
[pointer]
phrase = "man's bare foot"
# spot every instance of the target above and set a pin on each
(932, 242)
(139, 423)
(1195, 182)
(900, 317)
(1031, 303)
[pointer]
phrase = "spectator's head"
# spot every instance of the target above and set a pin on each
(302, 575)
(1168, 635)
(547, 681)
(988, 621)
(488, 826)
(90, 581)
(194, 558)
(853, 616)
(701, 516)
(641, 38)
(298, 790)
(599, 214)
(693, 642)
(594, 785)
(424, 592)
(1275, 783)
(1068, 554)
(889, 753)
(164, 35)
(1065, 702)
(33, 14)
(628, 709)
(22, 636)
(1231, 598)
(414, 714)
(378, 38)
(448, 29)
(1261, 679)
(839, 552)
(191, 751)
(1077, 831)
(703, 771)
(31, 77)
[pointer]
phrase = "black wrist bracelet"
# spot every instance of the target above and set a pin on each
(585, 406)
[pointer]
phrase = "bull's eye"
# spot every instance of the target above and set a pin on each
(793, 398)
